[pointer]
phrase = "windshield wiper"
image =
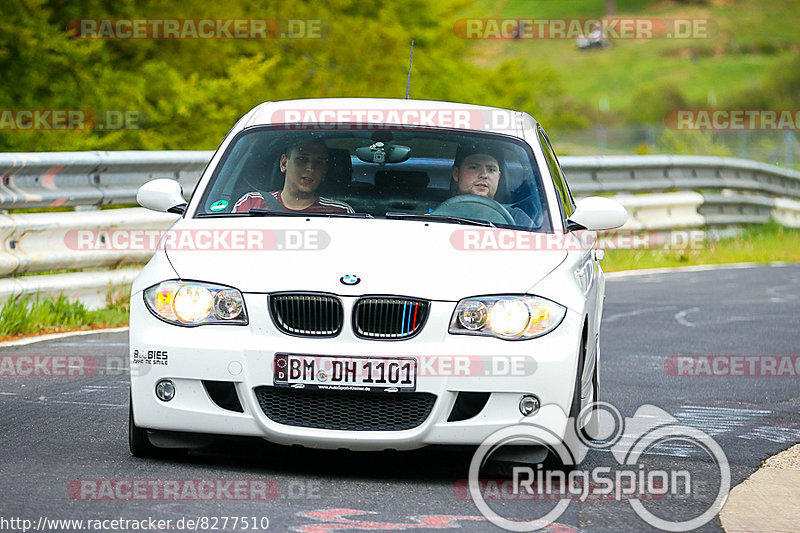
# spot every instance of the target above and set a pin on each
(220, 215)
(441, 218)
(268, 213)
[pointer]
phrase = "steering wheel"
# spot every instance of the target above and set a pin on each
(475, 207)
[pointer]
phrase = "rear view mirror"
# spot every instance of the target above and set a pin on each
(597, 213)
(382, 153)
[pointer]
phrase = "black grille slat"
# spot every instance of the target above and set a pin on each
(311, 315)
(345, 410)
(325, 314)
(389, 317)
(321, 315)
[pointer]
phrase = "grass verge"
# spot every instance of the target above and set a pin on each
(31, 315)
(765, 243)
(743, 41)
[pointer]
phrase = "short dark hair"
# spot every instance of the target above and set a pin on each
(304, 140)
(466, 150)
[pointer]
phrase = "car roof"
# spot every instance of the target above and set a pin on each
(430, 113)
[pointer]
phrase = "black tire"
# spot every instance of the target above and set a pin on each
(138, 442)
(592, 427)
(140, 445)
(554, 462)
(575, 407)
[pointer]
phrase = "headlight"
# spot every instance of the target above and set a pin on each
(190, 303)
(506, 317)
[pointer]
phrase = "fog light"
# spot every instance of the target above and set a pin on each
(165, 390)
(529, 405)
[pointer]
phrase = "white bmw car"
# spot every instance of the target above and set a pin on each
(369, 274)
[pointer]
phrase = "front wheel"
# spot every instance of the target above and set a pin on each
(591, 430)
(139, 443)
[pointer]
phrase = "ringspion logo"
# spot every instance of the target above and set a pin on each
(633, 480)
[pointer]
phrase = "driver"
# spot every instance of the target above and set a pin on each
(476, 170)
(305, 165)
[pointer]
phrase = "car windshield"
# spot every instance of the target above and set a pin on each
(448, 176)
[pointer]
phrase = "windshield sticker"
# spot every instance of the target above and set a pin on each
(218, 206)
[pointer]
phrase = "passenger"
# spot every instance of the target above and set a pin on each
(476, 170)
(305, 165)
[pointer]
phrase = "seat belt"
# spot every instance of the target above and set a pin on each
(272, 203)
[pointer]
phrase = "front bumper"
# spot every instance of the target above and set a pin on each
(243, 356)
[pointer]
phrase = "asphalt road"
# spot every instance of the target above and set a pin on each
(63, 439)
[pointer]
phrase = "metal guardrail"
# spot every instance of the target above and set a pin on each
(31, 180)
(734, 191)
(53, 179)
(38, 242)
(681, 192)
(657, 173)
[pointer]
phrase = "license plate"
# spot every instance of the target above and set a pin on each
(357, 373)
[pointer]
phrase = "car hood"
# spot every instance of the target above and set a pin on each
(432, 260)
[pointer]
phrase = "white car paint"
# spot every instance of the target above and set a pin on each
(398, 257)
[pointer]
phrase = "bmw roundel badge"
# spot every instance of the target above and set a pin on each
(350, 279)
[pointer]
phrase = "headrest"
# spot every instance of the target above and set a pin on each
(340, 172)
(406, 180)
(340, 166)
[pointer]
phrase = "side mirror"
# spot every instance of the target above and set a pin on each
(597, 213)
(162, 194)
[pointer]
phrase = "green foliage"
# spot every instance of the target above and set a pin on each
(763, 243)
(190, 92)
(691, 143)
(27, 314)
(654, 101)
(752, 49)
(779, 89)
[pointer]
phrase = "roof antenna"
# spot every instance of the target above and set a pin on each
(408, 81)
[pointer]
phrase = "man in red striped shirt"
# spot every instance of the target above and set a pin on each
(305, 165)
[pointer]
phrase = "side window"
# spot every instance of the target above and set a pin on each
(567, 203)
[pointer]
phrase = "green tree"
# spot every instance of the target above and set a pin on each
(192, 91)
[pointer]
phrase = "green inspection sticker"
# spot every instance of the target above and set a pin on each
(219, 205)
